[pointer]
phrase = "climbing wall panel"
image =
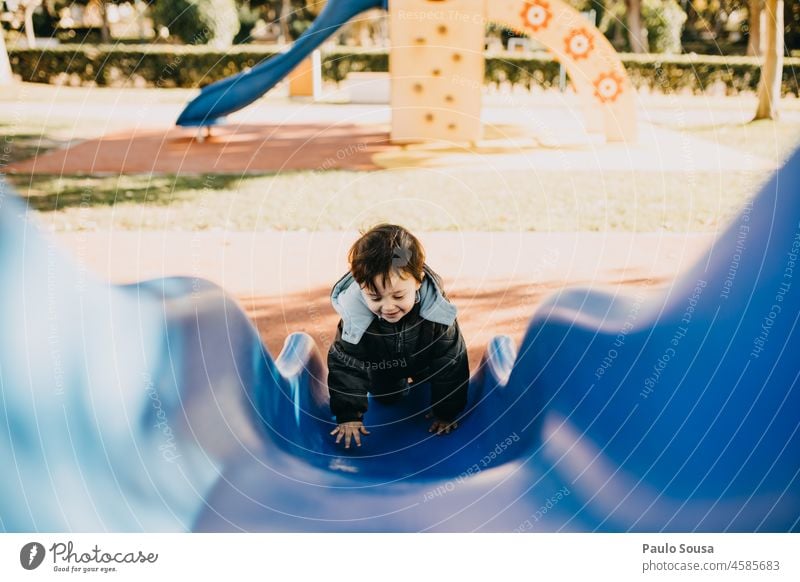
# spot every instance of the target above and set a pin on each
(437, 68)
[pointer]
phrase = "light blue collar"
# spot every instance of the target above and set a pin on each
(349, 303)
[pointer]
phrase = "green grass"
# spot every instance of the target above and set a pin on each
(421, 200)
(768, 139)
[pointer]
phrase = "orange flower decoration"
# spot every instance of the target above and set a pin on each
(579, 43)
(536, 14)
(607, 87)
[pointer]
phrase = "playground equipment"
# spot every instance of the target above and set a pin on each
(229, 95)
(306, 79)
(437, 66)
(155, 407)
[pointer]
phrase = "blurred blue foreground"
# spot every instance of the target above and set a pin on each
(155, 407)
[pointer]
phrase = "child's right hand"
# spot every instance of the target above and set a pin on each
(348, 431)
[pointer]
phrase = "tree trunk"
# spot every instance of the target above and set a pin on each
(599, 7)
(754, 28)
(30, 35)
(636, 33)
(140, 9)
(105, 29)
(283, 19)
(769, 86)
(6, 77)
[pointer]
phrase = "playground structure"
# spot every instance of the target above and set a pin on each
(437, 66)
(155, 407)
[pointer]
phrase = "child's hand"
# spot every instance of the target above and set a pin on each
(350, 430)
(441, 426)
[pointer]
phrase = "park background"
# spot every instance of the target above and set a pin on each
(545, 206)
(539, 206)
(267, 205)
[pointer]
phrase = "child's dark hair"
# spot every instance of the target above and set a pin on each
(383, 249)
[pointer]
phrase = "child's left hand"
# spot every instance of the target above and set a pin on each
(441, 426)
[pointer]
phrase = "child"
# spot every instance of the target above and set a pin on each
(396, 324)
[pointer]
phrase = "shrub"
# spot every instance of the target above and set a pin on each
(248, 17)
(213, 22)
(664, 20)
(188, 66)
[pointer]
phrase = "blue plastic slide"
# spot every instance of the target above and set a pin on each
(155, 407)
(238, 91)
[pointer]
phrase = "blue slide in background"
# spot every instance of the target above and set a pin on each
(238, 91)
(155, 407)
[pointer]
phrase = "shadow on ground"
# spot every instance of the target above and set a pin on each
(96, 191)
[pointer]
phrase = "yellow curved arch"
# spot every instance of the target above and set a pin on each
(594, 66)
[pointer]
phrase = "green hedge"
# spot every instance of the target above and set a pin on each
(145, 66)
(699, 72)
(190, 66)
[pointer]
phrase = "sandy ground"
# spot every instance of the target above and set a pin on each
(497, 280)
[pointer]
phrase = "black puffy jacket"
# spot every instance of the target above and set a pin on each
(388, 353)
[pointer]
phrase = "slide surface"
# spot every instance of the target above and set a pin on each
(229, 95)
(155, 407)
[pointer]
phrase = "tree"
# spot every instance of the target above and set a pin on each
(100, 8)
(636, 32)
(197, 22)
(26, 8)
(105, 28)
(599, 7)
(5, 65)
(30, 7)
(664, 21)
(273, 12)
(769, 86)
(283, 19)
(791, 21)
(754, 28)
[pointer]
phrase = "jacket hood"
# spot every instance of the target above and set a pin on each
(349, 303)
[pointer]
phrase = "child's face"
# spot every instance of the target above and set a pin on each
(395, 300)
